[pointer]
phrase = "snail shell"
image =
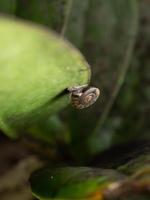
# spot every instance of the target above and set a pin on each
(83, 96)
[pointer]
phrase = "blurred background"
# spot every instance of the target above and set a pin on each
(114, 37)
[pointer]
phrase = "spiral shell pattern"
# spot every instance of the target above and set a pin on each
(83, 96)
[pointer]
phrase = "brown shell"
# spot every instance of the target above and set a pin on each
(83, 96)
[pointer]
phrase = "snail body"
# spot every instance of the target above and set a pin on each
(83, 96)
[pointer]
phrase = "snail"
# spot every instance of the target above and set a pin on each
(83, 96)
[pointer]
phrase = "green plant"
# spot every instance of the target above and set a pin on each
(37, 68)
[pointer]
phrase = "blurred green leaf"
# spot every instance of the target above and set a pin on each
(51, 13)
(8, 6)
(51, 130)
(116, 56)
(139, 164)
(109, 38)
(36, 68)
(130, 181)
(71, 182)
(75, 22)
(67, 17)
(132, 104)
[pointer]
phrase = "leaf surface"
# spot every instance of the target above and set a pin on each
(36, 68)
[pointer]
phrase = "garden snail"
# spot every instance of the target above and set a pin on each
(83, 96)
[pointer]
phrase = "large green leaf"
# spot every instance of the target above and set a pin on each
(36, 67)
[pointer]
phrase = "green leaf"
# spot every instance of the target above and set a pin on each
(129, 181)
(71, 182)
(36, 68)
